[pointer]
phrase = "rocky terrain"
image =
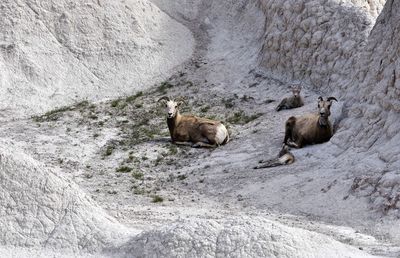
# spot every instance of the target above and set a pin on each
(87, 167)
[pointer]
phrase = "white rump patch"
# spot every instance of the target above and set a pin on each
(221, 134)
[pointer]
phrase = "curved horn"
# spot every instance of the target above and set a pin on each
(163, 98)
(332, 98)
(181, 99)
(320, 98)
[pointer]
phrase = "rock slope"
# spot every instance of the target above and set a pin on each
(55, 53)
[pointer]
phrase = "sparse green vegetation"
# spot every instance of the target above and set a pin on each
(229, 103)
(181, 177)
(124, 169)
(157, 198)
(52, 115)
(241, 118)
(55, 114)
(82, 104)
(115, 103)
(139, 191)
(109, 150)
(134, 97)
(205, 109)
(137, 175)
(172, 149)
(164, 87)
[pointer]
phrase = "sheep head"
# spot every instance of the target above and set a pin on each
(296, 89)
(172, 105)
(324, 106)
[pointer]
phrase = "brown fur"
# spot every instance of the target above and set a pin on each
(310, 128)
(192, 129)
(294, 101)
(202, 132)
(285, 157)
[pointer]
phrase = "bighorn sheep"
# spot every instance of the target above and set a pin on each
(292, 102)
(310, 128)
(201, 132)
(285, 157)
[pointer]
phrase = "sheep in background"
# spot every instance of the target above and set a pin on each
(292, 102)
(201, 132)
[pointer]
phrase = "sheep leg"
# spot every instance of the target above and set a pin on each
(183, 143)
(203, 144)
(281, 105)
(293, 144)
(288, 135)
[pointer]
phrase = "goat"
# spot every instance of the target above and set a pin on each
(285, 157)
(310, 128)
(292, 102)
(201, 132)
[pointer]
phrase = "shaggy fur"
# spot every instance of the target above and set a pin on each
(310, 128)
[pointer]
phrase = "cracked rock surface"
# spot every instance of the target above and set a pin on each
(93, 174)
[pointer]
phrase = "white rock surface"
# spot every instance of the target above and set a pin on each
(55, 52)
(41, 209)
(58, 52)
(316, 41)
(235, 237)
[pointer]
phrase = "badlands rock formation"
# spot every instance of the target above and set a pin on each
(239, 53)
(56, 53)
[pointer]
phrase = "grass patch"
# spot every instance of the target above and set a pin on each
(164, 87)
(172, 149)
(124, 169)
(82, 104)
(115, 103)
(52, 115)
(241, 118)
(157, 198)
(134, 97)
(139, 191)
(109, 150)
(229, 103)
(205, 109)
(137, 175)
(181, 177)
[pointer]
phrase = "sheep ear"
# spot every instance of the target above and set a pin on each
(332, 98)
(320, 99)
(163, 99)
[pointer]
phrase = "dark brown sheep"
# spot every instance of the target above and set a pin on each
(292, 102)
(310, 128)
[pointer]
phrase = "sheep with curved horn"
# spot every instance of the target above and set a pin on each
(201, 132)
(310, 128)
